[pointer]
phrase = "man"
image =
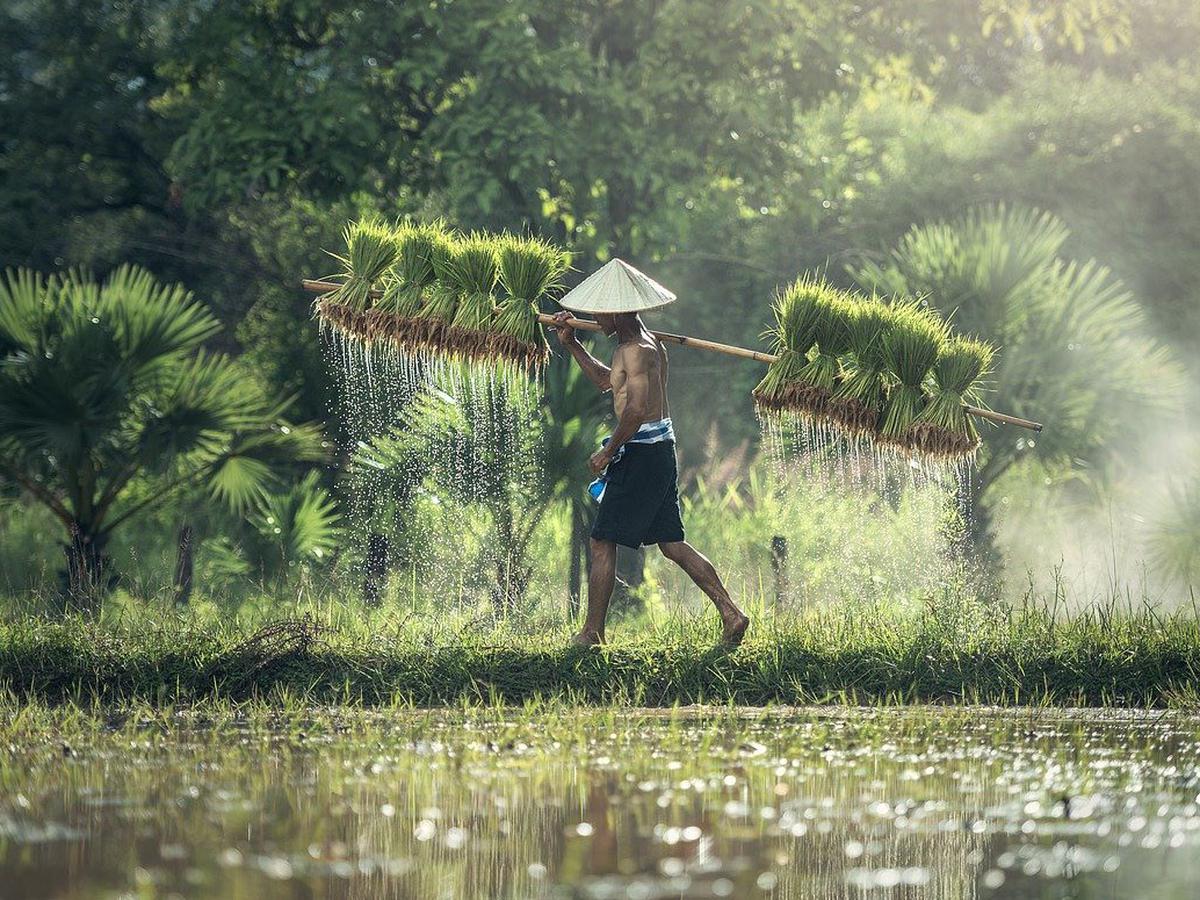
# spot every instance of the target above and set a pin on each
(639, 498)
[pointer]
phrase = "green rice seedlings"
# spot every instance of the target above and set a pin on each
(473, 273)
(859, 399)
(529, 268)
(943, 429)
(370, 252)
(796, 310)
(911, 346)
(433, 317)
(408, 282)
(821, 374)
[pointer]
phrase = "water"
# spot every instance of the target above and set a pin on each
(922, 803)
(909, 510)
(854, 462)
(485, 453)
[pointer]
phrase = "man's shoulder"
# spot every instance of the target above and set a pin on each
(636, 351)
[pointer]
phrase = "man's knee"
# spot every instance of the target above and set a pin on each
(675, 551)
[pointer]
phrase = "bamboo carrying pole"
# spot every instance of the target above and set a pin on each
(324, 287)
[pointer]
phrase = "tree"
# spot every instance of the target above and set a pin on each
(1074, 351)
(190, 138)
(109, 406)
(1174, 538)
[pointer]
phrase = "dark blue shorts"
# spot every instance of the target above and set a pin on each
(641, 499)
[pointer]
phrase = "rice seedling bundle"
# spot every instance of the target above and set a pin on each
(796, 310)
(911, 346)
(405, 287)
(434, 315)
(529, 268)
(370, 252)
(473, 273)
(821, 374)
(860, 397)
(943, 428)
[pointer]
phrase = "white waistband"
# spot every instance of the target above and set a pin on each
(654, 432)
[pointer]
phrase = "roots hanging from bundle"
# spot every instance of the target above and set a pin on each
(889, 373)
(822, 374)
(439, 295)
(435, 293)
(516, 338)
(797, 310)
(409, 286)
(473, 272)
(371, 250)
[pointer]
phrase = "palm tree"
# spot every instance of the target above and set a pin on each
(291, 529)
(109, 406)
(1075, 355)
(1174, 538)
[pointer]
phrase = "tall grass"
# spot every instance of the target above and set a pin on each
(798, 321)
(950, 650)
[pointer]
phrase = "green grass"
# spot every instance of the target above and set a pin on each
(949, 651)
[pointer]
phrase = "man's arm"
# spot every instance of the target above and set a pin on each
(597, 372)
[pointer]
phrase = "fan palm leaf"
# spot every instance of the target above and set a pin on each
(105, 382)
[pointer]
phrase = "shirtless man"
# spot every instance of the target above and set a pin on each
(639, 502)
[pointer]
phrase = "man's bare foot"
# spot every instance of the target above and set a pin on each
(734, 630)
(587, 639)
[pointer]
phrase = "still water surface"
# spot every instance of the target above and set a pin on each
(921, 803)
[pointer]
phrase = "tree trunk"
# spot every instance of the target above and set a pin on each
(512, 582)
(631, 575)
(376, 565)
(86, 578)
(183, 566)
(631, 566)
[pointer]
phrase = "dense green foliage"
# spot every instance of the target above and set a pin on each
(722, 147)
(109, 405)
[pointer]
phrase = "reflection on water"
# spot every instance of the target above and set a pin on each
(787, 804)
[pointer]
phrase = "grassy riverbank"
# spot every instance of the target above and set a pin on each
(952, 652)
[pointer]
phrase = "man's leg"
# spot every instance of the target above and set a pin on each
(600, 588)
(733, 621)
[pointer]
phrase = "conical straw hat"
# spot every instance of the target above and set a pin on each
(616, 287)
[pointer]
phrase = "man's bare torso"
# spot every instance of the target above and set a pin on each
(631, 360)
